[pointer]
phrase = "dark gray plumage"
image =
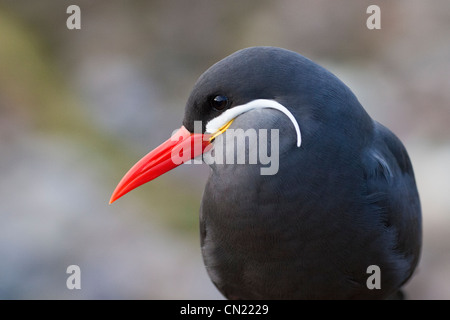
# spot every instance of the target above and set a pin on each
(344, 200)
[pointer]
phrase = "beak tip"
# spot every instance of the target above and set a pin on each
(114, 197)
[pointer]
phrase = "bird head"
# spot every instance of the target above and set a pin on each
(251, 79)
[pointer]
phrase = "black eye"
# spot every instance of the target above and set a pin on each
(219, 102)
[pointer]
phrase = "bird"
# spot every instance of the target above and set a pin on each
(342, 200)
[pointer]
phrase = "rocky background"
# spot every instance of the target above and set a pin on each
(79, 107)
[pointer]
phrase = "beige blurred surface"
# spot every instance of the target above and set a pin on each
(79, 107)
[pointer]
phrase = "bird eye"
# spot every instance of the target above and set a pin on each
(219, 102)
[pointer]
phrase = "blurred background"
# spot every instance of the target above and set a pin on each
(79, 107)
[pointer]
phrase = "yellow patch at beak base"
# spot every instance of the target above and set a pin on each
(221, 130)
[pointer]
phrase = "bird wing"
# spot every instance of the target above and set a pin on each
(392, 196)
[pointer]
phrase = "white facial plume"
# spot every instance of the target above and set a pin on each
(215, 124)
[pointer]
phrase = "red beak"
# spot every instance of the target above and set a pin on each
(181, 147)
